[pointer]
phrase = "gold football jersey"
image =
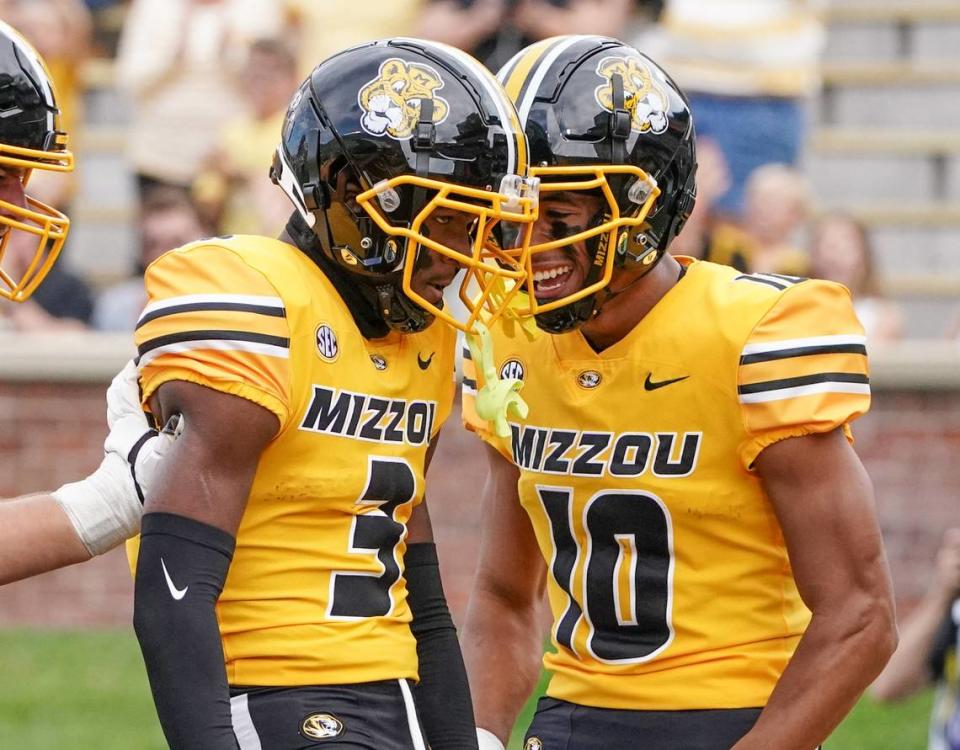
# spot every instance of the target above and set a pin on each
(315, 594)
(669, 579)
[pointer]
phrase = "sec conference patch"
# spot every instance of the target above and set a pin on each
(533, 743)
(327, 346)
(512, 368)
(321, 727)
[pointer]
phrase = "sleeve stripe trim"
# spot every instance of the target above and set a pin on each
(802, 380)
(758, 280)
(468, 390)
(469, 383)
(257, 300)
(273, 312)
(775, 346)
(803, 351)
(215, 344)
(784, 394)
(782, 277)
(185, 336)
(466, 353)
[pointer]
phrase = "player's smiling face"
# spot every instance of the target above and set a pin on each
(563, 270)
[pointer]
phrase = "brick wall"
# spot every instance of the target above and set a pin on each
(50, 434)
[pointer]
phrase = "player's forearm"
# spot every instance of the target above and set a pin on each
(837, 658)
(443, 693)
(181, 570)
(36, 536)
(502, 648)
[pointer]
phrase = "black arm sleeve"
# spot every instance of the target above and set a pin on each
(180, 573)
(443, 693)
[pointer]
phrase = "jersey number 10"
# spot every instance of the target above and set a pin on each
(625, 572)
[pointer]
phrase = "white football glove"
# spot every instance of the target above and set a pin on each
(488, 740)
(105, 508)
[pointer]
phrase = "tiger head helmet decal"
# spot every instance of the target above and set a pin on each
(644, 98)
(391, 101)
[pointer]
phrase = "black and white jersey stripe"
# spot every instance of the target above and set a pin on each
(249, 303)
(221, 339)
(804, 385)
(805, 347)
(776, 280)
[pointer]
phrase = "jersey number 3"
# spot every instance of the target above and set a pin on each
(626, 578)
(390, 484)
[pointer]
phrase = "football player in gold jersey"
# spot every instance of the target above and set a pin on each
(44, 531)
(287, 588)
(683, 484)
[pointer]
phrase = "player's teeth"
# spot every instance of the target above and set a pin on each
(552, 273)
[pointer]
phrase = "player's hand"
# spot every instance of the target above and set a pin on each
(132, 438)
(105, 508)
(488, 740)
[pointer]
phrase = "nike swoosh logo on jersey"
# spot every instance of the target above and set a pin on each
(650, 385)
(176, 593)
(425, 363)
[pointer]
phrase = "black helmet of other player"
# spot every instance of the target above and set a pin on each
(381, 136)
(603, 118)
(30, 139)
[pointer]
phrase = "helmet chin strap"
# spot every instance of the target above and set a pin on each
(620, 127)
(607, 293)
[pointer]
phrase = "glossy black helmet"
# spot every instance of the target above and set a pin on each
(30, 138)
(382, 135)
(601, 117)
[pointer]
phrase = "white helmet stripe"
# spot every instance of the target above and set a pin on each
(507, 69)
(538, 74)
(490, 85)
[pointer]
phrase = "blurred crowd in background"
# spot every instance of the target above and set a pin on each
(205, 84)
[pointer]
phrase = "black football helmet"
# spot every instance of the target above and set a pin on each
(602, 118)
(30, 138)
(382, 135)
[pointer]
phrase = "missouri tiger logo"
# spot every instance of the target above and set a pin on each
(391, 101)
(321, 727)
(646, 101)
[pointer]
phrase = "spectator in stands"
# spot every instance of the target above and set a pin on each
(777, 208)
(840, 251)
(749, 69)
(62, 302)
(231, 191)
(493, 30)
(178, 60)
(473, 25)
(168, 219)
(328, 26)
(929, 650)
